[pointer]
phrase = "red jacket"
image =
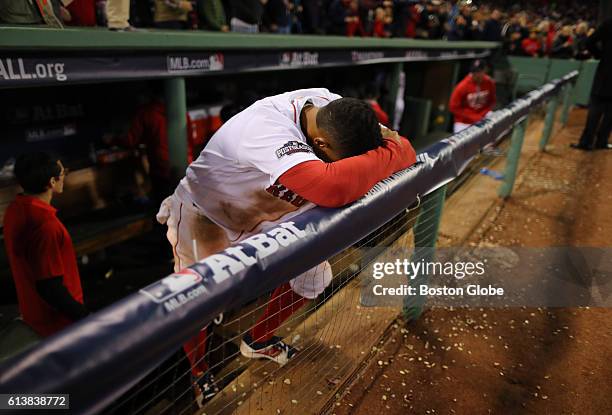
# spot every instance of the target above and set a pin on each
(470, 102)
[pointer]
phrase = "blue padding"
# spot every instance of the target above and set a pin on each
(101, 357)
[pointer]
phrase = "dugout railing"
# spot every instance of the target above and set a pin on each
(101, 357)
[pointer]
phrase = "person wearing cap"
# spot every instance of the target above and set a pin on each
(473, 98)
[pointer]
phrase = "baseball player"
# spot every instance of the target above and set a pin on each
(274, 160)
(473, 98)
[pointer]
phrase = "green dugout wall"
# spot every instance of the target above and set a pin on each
(534, 72)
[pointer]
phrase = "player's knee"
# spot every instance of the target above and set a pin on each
(313, 282)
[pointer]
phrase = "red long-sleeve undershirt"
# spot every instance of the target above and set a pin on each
(344, 181)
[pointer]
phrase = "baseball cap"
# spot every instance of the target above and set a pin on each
(478, 66)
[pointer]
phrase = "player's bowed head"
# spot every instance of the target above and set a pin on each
(343, 128)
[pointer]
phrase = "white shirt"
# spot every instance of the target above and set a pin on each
(233, 181)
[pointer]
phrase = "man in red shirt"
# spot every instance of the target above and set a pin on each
(39, 248)
(473, 98)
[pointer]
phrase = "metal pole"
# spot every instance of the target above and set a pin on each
(566, 103)
(549, 122)
(425, 237)
(514, 154)
(176, 113)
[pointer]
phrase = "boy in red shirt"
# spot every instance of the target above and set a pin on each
(473, 98)
(39, 248)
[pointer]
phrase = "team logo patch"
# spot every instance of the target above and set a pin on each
(293, 147)
(172, 285)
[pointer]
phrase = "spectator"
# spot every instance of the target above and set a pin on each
(338, 14)
(51, 12)
(458, 30)
(277, 16)
(515, 25)
(532, 45)
(212, 15)
(514, 44)
(466, 12)
(599, 119)
(39, 248)
(172, 14)
(473, 98)
(246, 15)
(310, 22)
(82, 13)
(452, 15)
(354, 25)
(20, 12)
(492, 28)
(429, 25)
(381, 23)
(563, 45)
(297, 16)
(117, 15)
(547, 36)
(411, 19)
(581, 52)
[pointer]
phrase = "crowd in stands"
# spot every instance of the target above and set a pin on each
(529, 28)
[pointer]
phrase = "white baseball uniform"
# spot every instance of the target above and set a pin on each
(230, 191)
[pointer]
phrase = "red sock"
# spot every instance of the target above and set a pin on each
(195, 349)
(282, 304)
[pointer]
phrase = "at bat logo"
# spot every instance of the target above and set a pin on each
(293, 147)
(237, 258)
(187, 285)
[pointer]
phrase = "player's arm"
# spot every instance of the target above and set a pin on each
(344, 181)
(53, 291)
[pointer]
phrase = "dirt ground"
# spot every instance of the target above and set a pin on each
(510, 361)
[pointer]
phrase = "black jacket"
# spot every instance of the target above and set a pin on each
(600, 45)
(249, 11)
(492, 31)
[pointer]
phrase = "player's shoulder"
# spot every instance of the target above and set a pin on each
(322, 93)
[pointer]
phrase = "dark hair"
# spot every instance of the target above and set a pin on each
(34, 170)
(352, 124)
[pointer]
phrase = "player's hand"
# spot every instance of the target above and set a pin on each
(389, 134)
